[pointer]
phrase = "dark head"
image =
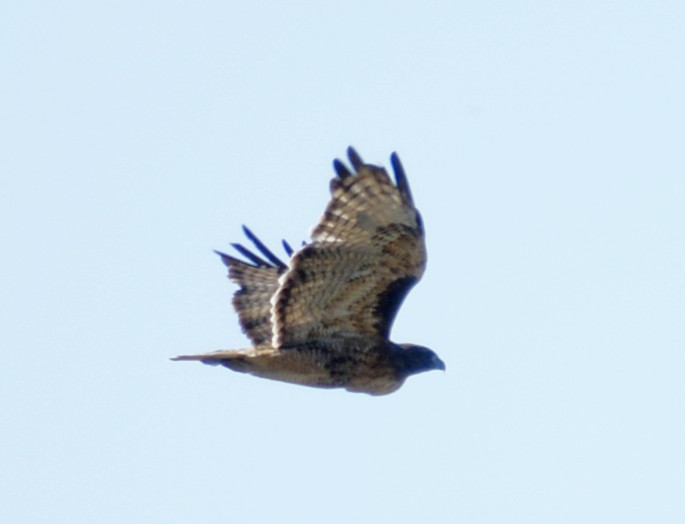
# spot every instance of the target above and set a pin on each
(411, 359)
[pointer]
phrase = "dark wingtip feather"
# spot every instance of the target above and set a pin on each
(262, 248)
(401, 178)
(249, 255)
(288, 249)
(226, 259)
(341, 169)
(355, 159)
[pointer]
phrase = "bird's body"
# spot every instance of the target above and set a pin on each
(337, 363)
(323, 320)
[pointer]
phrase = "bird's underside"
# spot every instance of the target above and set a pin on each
(323, 319)
(335, 364)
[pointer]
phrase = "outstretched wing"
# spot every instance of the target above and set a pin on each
(258, 282)
(368, 250)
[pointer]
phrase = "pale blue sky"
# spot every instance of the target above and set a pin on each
(544, 144)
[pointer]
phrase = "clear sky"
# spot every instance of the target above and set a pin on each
(544, 144)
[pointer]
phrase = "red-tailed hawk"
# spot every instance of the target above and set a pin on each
(323, 319)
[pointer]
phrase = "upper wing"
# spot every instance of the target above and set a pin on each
(368, 250)
(258, 283)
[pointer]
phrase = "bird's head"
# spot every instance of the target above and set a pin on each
(411, 359)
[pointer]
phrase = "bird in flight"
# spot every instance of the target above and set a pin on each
(323, 318)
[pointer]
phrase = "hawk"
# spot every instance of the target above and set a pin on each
(324, 318)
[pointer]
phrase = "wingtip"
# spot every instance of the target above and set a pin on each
(248, 233)
(270, 256)
(401, 178)
(287, 247)
(341, 169)
(221, 254)
(257, 261)
(227, 260)
(354, 157)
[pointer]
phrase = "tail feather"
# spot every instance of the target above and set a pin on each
(224, 354)
(235, 359)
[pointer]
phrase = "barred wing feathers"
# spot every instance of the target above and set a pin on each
(258, 283)
(368, 250)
